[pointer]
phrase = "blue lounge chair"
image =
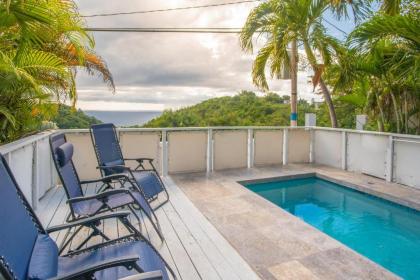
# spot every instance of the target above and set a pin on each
(28, 252)
(111, 161)
(109, 200)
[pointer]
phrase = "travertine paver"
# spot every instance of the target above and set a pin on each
(291, 271)
(275, 243)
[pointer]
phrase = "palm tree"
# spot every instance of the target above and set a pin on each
(380, 71)
(42, 44)
(283, 24)
(287, 23)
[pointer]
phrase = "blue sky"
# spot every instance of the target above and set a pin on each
(161, 71)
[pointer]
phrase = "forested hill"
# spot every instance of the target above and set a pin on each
(240, 110)
(67, 118)
(247, 109)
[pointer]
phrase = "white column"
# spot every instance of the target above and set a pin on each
(209, 150)
(164, 153)
(250, 148)
(35, 175)
(53, 174)
(310, 119)
(312, 146)
(360, 122)
(344, 150)
(389, 159)
(9, 158)
(285, 145)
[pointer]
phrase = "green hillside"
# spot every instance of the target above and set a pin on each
(247, 109)
(67, 118)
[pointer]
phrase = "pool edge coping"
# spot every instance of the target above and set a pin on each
(382, 195)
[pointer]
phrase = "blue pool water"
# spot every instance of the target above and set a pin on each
(385, 232)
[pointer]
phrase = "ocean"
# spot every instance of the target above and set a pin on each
(124, 118)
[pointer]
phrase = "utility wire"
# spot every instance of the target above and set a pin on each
(171, 9)
(165, 30)
(333, 25)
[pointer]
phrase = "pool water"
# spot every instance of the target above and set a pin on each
(385, 232)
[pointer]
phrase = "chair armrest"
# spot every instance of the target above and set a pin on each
(139, 159)
(88, 270)
(113, 166)
(89, 221)
(151, 275)
(99, 196)
(105, 179)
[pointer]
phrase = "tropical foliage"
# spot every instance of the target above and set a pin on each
(42, 45)
(68, 118)
(283, 23)
(379, 72)
(376, 70)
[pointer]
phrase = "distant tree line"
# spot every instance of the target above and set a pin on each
(68, 118)
(248, 109)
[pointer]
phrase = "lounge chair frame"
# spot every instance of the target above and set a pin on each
(139, 168)
(101, 196)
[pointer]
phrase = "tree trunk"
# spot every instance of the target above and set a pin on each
(327, 96)
(381, 119)
(328, 100)
(396, 111)
(293, 93)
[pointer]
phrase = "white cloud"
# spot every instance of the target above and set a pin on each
(159, 70)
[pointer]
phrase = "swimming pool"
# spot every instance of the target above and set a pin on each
(385, 232)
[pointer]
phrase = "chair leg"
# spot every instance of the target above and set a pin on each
(164, 202)
(66, 241)
(131, 207)
(156, 226)
(95, 232)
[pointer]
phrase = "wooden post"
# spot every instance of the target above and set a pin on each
(293, 93)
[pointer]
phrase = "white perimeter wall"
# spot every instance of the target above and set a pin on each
(392, 157)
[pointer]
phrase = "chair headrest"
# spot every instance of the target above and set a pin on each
(64, 153)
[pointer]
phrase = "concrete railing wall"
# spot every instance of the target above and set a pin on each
(30, 161)
(393, 157)
(175, 150)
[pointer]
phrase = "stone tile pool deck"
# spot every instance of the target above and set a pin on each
(276, 244)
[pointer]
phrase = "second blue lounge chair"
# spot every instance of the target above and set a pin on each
(111, 161)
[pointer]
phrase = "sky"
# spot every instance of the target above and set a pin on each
(157, 71)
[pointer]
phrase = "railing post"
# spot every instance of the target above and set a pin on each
(35, 175)
(285, 145)
(164, 153)
(209, 150)
(390, 159)
(9, 158)
(312, 146)
(53, 177)
(344, 150)
(250, 148)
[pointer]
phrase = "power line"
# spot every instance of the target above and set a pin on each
(165, 30)
(333, 25)
(170, 9)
